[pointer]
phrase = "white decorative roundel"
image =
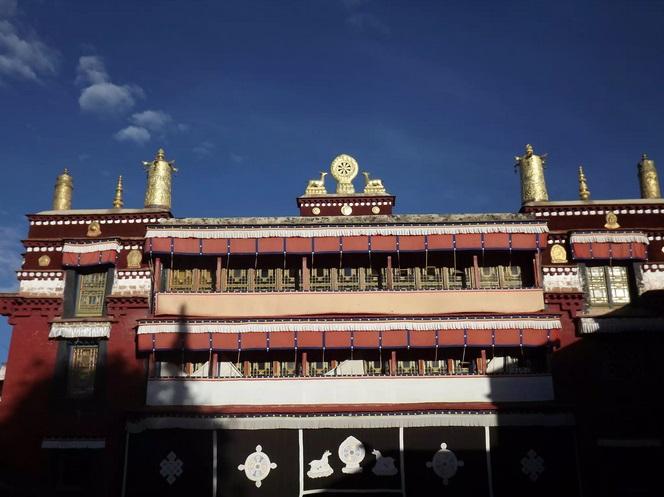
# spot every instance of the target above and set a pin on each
(344, 168)
(346, 210)
(351, 453)
(257, 466)
(445, 463)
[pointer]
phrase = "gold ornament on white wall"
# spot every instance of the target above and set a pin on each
(44, 261)
(558, 254)
(134, 258)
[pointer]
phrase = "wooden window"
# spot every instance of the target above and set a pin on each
(320, 278)
(432, 278)
(319, 368)
(191, 280)
(290, 279)
(510, 277)
(238, 280)
(91, 293)
(261, 369)
(82, 370)
(266, 280)
(348, 278)
(435, 367)
(404, 278)
(407, 368)
(607, 285)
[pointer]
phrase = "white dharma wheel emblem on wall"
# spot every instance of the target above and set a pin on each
(351, 453)
(445, 463)
(257, 466)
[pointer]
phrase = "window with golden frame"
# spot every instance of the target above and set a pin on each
(91, 293)
(608, 285)
(82, 370)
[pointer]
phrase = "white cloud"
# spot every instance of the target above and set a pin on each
(134, 134)
(102, 96)
(154, 120)
(91, 69)
(24, 57)
(204, 149)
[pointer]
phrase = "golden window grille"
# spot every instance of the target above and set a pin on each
(374, 367)
(618, 284)
(320, 279)
(261, 369)
(407, 368)
(432, 278)
(435, 367)
(205, 280)
(510, 277)
(403, 278)
(237, 280)
(266, 280)
(288, 368)
(82, 369)
(489, 277)
(290, 279)
(453, 278)
(182, 280)
(348, 278)
(597, 290)
(372, 278)
(319, 368)
(91, 293)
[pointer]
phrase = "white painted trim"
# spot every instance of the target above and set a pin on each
(608, 237)
(402, 463)
(86, 248)
(55, 443)
(338, 391)
(80, 330)
(347, 421)
(487, 446)
(323, 231)
(378, 325)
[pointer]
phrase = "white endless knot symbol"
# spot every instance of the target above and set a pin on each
(532, 465)
(171, 468)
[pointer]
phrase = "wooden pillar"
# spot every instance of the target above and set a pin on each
(152, 366)
(538, 269)
(476, 272)
(305, 274)
(483, 362)
(390, 275)
(276, 368)
(157, 276)
(246, 368)
(214, 362)
(393, 363)
(305, 364)
(420, 367)
(450, 366)
(217, 282)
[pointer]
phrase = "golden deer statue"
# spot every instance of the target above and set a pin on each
(373, 186)
(316, 186)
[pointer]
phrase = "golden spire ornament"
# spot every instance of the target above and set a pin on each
(533, 185)
(158, 192)
(117, 201)
(584, 193)
(62, 194)
(648, 180)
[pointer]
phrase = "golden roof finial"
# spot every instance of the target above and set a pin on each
(62, 194)
(117, 201)
(648, 179)
(584, 193)
(158, 192)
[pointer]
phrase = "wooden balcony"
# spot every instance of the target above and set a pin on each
(337, 391)
(386, 303)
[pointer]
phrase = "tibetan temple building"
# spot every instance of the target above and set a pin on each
(347, 350)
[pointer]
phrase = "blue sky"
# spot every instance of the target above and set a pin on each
(252, 98)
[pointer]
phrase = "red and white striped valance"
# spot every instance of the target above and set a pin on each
(345, 243)
(609, 245)
(348, 334)
(90, 254)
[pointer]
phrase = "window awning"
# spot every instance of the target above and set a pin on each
(609, 245)
(90, 253)
(80, 329)
(374, 334)
(381, 239)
